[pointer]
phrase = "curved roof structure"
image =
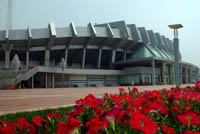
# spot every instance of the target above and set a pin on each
(117, 36)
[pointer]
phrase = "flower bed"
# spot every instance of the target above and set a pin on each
(175, 111)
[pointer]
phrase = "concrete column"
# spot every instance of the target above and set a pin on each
(47, 58)
(140, 78)
(32, 81)
(53, 80)
(66, 56)
(124, 57)
(112, 58)
(163, 72)
(186, 75)
(113, 55)
(83, 58)
(7, 59)
(169, 70)
(27, 60)
(69, 80)
(87, 81)
(153, 72)
(99, 59)
(46, 80)
(54, 62)
(190, 75)
(104, 80)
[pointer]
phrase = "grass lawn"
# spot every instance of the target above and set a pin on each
(29, 115)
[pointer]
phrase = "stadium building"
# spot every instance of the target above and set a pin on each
(95, 55)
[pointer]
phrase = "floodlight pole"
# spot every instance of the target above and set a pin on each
(176, 55)
(176, 51)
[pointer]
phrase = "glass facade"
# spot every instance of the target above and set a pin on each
(142, 53)
(129, 79)
(151, 51)
(155, 52)
(146, 78)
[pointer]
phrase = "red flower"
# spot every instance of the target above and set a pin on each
(6, 127)
(156, 105)
(77, 110)
(115, 112)
(121, 89)
(190, 132)
(69, 126)
(24, 125)
(6, 130)
(96, 124)
(168, 130)
(135, 90)
(141, 122)
(39, 121)
(197, 84)
(5, 123)
(189, 118)
(54, 115)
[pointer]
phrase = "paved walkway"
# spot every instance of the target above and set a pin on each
(33, 99)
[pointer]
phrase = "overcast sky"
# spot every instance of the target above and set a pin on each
(152, 14)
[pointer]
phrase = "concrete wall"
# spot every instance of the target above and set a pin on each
(112, 80)
(80, 80)
(144, 70)
(96, 80)
(61, 81)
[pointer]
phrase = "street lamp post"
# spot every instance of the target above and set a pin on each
(176, 51)
(16, 65)
(63, 66)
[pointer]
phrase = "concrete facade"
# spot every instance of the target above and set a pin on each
(96, 55)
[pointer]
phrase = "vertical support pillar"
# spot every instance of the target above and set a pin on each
(69, 80)
(66, 56)
(99, 59)
(104, 80)
(54, 62)
(124, 57)
(53, 80)
(88, 81)
(186, 75)
(27, 60)
(153, 72)
(7, 49)
(32, 81)
(46, 80)
(7, 59)
(47, 58)
(169, 71)
(140, 78)
(163, 72)
(190, 75)
(113, 55)
(83, 58)
(113, 58)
